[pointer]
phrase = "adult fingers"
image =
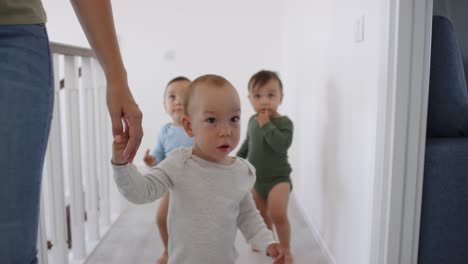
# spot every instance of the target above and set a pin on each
(135, 133)
(117, 127)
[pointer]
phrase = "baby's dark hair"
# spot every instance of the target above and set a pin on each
(176, 79)
(261, 78)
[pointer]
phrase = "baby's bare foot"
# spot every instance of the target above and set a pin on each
(163, 259)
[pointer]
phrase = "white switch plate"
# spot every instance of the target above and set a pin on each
(359, 29)
(170, 55)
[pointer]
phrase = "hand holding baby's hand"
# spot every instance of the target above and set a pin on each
(276, 252)
(118, 146)
(263, 118)
(148, 159)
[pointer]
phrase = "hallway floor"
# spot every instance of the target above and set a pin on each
(134, 240)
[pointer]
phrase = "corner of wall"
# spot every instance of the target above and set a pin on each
(317, 236)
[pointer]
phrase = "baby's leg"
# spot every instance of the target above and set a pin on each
(278, 210)
(261, 204)
(161, 221)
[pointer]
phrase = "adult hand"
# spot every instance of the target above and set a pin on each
(276, 252)
(125, 116)
(263, 118)
(98, 24)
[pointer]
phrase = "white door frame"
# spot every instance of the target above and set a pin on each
(402, 127)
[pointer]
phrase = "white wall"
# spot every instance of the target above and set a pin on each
(162, 39)
(337, 83)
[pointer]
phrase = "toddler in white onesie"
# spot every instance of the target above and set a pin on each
(210, 190)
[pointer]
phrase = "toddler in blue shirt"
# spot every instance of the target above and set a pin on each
(171, 136)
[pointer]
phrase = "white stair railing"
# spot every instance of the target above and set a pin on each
(76, 179)
(79, 201)
(92, 197)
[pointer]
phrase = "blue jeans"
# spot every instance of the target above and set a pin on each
(26, 102)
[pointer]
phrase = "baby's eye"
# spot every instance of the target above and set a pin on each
(211, 120)
(172, 97)
(257, 96)
(271, 95)
(235, 119)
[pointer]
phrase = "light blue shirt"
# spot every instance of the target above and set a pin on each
(170, 138)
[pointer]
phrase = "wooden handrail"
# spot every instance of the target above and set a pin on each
(65, 49)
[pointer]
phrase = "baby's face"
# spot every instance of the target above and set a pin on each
(267, 97)
(214, 122)
(173, 100)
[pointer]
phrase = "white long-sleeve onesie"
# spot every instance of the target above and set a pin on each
(209, 201)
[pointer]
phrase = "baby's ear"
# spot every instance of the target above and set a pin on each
(187, 125)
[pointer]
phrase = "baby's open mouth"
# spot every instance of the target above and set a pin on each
(224, 148)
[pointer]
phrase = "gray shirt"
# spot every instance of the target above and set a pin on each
(209, 201)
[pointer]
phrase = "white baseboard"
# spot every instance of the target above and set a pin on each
(317, 236)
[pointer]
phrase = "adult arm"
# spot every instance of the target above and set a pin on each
(96, 19)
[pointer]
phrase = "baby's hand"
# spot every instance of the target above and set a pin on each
(148, 159)
(276, 252)
(118, 146)
(263, 118)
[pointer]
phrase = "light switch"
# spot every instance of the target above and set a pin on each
(170, 55)
(359, 29)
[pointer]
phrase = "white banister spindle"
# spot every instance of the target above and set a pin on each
(54, 161)
(97, 133)
(99, 100)
(108, 139)
(105, 159)
(88, 77)
(111, 190)
(41, 236)
(84, 139)
(114, 195)
(76, 181)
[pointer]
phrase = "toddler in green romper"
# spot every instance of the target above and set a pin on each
(269, 136)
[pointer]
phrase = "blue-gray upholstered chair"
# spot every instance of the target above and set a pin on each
(444, 216)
